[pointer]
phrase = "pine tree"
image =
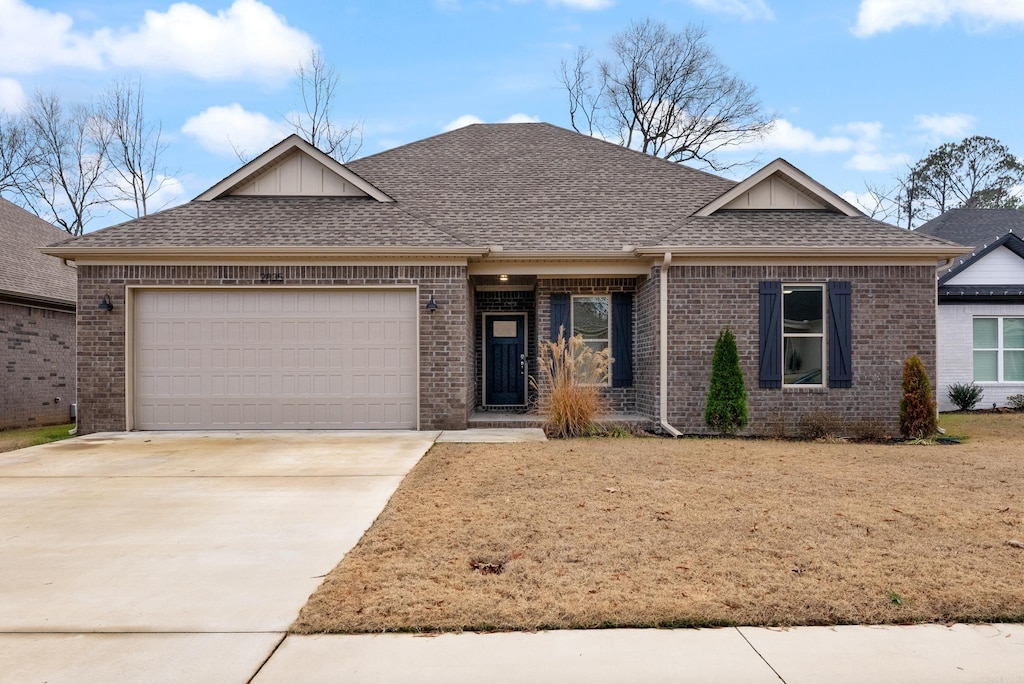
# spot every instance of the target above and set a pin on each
(917, 408)
(726, 410)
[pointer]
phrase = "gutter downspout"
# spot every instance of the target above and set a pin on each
(663, 311)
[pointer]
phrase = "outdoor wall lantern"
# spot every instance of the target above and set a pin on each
(503, 277)
(431, 305)
(106, 304)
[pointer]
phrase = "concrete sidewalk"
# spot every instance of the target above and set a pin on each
(803, 655)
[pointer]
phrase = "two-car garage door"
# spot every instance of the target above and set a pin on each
(274, 359)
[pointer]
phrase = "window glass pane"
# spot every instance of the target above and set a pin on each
(802, 360)
(1013, 333)
(590, 317)
(1013, 366)
(801, 309)
(985, 366)
(986, 333)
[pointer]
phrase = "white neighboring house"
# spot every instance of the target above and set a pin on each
(981, 304)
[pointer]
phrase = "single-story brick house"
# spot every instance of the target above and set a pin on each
(37, 323)
(410, 288)
(981, 304)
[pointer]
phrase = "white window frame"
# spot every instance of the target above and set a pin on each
(607, 340)
(819, 335)
(998, 349)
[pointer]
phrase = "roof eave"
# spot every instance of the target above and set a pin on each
(937, 252)
(234, 252)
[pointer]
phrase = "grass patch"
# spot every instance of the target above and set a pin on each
(26, 437)
(646, 533)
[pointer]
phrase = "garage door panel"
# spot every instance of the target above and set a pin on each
(223, 359)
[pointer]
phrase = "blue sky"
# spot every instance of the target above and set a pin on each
(858, 88)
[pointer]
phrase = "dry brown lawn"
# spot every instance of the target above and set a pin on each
(657, 532)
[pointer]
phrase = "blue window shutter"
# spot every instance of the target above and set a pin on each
(622, 339)
(840, 357)
(770, 329)
(560, 303)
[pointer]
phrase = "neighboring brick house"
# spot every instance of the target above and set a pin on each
(411, 288)
(981, 304)
(37, 323)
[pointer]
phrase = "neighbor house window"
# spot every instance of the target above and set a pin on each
(591, 320)
(803, 334)
(998, 349)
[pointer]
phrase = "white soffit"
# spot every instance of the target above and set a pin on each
(782, 186)
(293, 168)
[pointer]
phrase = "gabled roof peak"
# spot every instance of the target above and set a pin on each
(294, 168)
(779, 186)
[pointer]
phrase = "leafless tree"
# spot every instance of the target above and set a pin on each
(665, 94)
(318, 84)
(15, 152)
(134, 151)
(69, 144)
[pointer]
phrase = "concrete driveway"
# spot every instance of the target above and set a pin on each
(153, 556)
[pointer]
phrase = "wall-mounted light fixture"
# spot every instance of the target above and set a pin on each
(503, 277)
(106, 304)
(431, 305)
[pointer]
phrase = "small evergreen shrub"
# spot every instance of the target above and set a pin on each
(917, 408)
(964, 395)
(1016, 402)
(726, 410)
(569, 390)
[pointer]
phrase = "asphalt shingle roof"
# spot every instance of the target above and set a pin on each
(529, 187)
(275, 222)
(24, 270)
(974, 227)
(797, 228)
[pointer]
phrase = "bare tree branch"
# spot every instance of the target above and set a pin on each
(665, 94)
(16, 156)
(317, 85)
(135, 148)
(69, 146)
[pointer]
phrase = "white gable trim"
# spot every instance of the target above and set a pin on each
(815, 191)
(277, 153)
(1001, 266)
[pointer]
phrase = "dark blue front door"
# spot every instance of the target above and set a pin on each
(504, 355)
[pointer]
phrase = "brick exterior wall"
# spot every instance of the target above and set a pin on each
(956, 352)
(620, 399)
(498, 302)
(446, 350)
(646, 344)
(38, 374)
(893, 317)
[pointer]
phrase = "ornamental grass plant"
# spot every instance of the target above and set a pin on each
(568, 385)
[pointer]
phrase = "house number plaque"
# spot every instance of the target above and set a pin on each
(272, 277)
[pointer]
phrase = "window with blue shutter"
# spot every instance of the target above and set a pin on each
(622, 339)
(840, 357)
(770, 333)
(561, 304)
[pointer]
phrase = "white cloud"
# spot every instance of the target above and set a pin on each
(944, 126)
(582, 4)
(33, 39)
(747, 10)
(230, 130)
(867, 202)
(12, 96)
(785, 136)
(882, 16)
(248, 40)
(876, 161)
(470, 119)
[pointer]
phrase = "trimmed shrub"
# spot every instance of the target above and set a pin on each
(964, 395)
(726, 410)
(820, 424)
(917, 408)
(569, 391)
(1016, 402)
